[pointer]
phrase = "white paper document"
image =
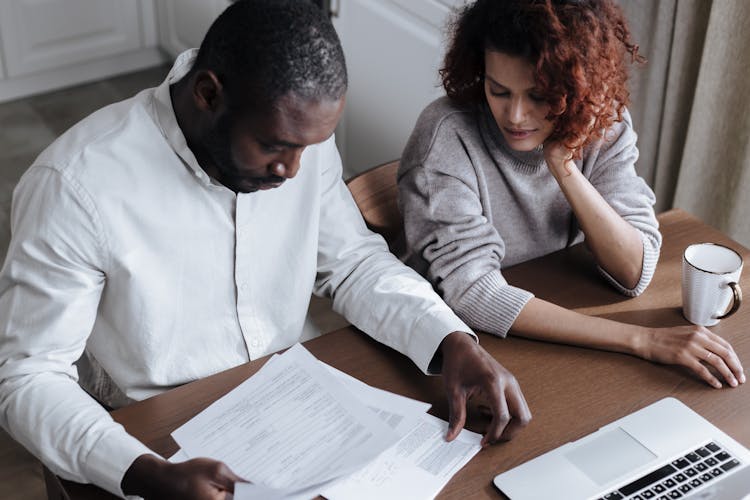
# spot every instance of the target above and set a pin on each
(299, 428)
(290, 426)
(249, 491)
(419, 466)
(398, 412)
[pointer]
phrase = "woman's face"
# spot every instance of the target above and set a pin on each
(519, 112)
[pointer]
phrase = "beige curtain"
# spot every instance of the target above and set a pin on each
(691, 107)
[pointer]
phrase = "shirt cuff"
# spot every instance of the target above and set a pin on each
(110, 459)
(650, 258)
(492, 305)
(429, 333)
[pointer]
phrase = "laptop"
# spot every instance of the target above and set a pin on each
(664, 450)
(734, 487)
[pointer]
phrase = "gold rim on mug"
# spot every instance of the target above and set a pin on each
(742, 261)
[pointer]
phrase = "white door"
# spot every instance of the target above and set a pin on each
(184, 23)
(39, 35)
(393, 51)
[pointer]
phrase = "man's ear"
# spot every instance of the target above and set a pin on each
(208, 92)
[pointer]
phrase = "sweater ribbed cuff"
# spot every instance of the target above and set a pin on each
(650, 258)
(492, 305)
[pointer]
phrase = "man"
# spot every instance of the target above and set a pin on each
(163, 239)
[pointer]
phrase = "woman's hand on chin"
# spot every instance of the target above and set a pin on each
(559, 159)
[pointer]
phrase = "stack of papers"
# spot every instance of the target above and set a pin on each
(300, 428)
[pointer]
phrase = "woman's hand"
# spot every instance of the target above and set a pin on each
(696, 348)
(559, 159)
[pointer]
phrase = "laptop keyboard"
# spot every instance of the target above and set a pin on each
(679, 477)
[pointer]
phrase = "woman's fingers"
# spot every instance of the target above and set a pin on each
(701, 351)
(703, 372)
(724, 360)
(720, 365)
(725, 350)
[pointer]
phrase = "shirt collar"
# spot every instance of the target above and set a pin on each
(167, 120)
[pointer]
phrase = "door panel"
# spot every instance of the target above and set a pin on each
(44, 34)
(183, 23)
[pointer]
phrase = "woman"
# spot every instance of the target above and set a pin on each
(531, 151)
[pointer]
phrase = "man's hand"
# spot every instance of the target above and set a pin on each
(469, 370)
(196, 479)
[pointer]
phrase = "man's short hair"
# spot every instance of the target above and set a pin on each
(271, 48)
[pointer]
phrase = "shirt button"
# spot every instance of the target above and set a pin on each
(255, 343)
(243, 286)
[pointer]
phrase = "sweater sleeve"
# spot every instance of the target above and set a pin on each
(612, 172)
(449, 238)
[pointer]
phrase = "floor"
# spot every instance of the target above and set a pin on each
(28, 126)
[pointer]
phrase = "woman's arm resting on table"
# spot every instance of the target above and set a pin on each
(694, 347)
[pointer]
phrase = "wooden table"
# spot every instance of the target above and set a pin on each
(571, 391)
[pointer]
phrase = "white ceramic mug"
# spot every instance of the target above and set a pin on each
(710, 283)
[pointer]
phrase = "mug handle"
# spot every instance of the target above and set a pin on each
(736, 300)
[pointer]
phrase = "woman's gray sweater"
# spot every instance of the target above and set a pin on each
(473, 206)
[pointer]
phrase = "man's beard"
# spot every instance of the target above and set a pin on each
(217, 145)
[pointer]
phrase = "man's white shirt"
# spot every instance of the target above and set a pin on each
(124, 248)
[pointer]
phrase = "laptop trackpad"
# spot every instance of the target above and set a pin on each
(609, 456)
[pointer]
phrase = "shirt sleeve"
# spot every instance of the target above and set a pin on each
(613, 174)
(370, 287)
(50, 288)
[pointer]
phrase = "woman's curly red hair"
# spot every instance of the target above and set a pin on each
(579, 48)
